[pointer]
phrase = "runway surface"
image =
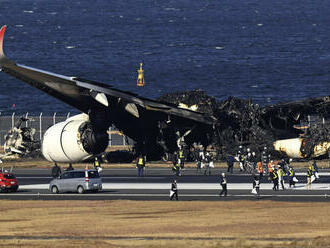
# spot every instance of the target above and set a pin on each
(121, 183)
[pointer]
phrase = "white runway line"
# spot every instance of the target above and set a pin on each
(189, 186)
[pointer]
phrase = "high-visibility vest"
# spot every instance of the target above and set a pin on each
(274, 175)
(259, 167)
(181, 155)
(97, 163)
(291, 172)
(270, 169)
(309, 173)
(140, 162)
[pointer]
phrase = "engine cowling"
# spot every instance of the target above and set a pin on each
(73, 140)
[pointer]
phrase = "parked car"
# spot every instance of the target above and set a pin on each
(76, 181)
(8, 182)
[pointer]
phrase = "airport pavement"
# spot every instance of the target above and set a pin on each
(122, 183)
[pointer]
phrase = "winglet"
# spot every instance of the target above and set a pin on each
(2, 35)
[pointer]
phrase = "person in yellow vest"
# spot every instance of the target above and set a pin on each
(274, 177)
(176, 164)
(281, 174)
(309, 177)
(181, 158)
(97, 164)
(140, 164)
(292, 177)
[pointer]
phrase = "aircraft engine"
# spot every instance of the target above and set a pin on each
(301, 148)
(73, 140)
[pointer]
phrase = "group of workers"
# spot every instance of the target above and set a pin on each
(204, 160)
(276, 171)
(178, 162)
(56, 170)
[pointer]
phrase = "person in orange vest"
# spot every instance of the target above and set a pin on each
(260, 170)
(270, 166)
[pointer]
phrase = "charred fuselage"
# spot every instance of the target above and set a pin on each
(240, 121)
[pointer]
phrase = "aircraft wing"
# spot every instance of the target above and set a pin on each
(86, 95)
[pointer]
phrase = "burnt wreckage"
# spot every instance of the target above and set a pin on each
(20, 142)
(241, 122)
(173, 122)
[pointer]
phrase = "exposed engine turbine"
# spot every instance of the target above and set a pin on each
(73, 140)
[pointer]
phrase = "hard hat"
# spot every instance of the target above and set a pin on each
(223, 174)
(240, 147)
(265, 148)
(248, 149)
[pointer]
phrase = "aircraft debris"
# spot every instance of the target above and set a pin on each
(20, 142)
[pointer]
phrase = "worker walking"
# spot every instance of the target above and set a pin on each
(174, 191)
(292, 177)
(97, 165)
(56, 171)
(309, 177)
(199, 159)
(181, 158)
(176, 164)
(265, 157)
(315, 170)
(281, 174)
(230, 163)
(270, 169)
(223, 183)
(140, 164)
(208, 160)
(256, 186)
(260, 170)
(274, 177)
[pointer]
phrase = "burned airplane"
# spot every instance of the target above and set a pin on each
(163, 126)
(154, 126)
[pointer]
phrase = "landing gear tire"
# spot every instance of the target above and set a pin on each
(55, 190)
(80, 190)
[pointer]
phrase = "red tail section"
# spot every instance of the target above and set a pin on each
(2, 35)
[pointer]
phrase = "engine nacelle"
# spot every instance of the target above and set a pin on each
(73, 140)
